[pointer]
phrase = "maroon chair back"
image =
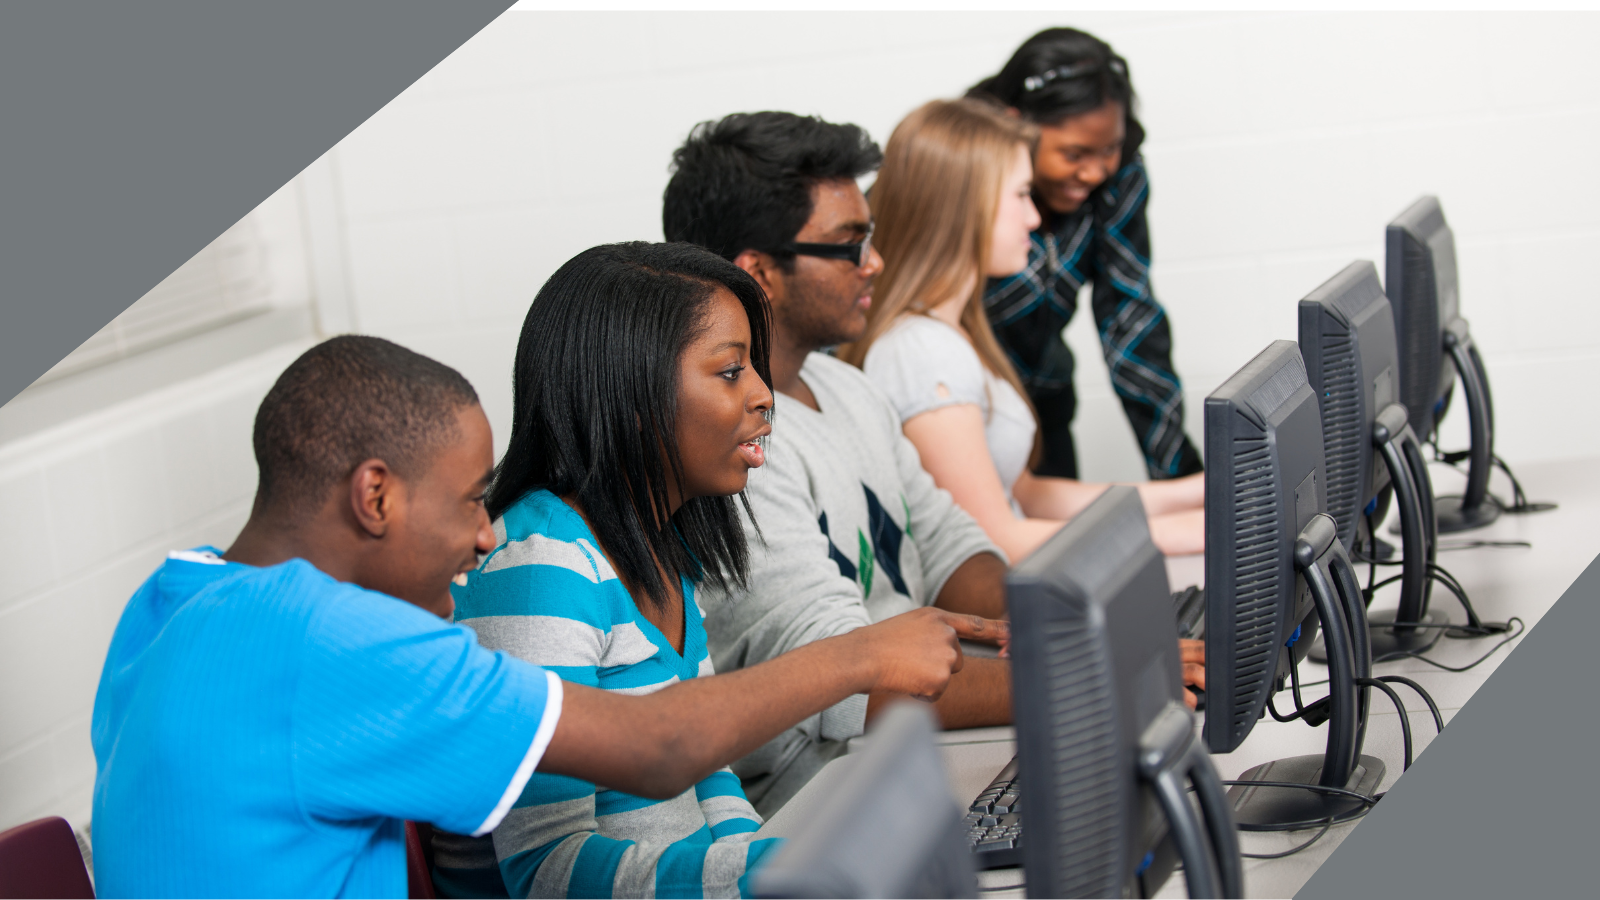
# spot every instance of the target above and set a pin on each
(42, 859)
(419, 861)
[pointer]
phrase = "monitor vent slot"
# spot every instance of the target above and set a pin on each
(1257, 570)
(1341, 430)
(1086, 771)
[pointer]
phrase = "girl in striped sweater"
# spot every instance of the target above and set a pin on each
(641, 404)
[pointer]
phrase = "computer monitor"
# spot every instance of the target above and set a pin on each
(891, 829)
(1347, 339)
(1276, 572)
(1436, 348)
(1106, 748)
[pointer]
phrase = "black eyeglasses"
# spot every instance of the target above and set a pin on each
(857, 252)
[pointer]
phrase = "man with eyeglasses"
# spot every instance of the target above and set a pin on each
(848, 528)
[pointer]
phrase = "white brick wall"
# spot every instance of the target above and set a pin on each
(90, 509)
(1280, 144)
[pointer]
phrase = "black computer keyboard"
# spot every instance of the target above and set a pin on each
(994, 826)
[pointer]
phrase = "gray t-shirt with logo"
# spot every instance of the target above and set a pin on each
(852, 531)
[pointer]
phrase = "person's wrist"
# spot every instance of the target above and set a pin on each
(862, 659)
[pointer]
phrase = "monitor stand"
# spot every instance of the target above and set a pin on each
(1454, 515)
(1171, 761)
(1475, 508)
(1320, 558)
(1257, 808)
(1389, 633)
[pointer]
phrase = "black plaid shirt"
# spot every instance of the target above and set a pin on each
(1107, 242)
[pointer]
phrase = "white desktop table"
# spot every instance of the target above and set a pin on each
(1501, 583)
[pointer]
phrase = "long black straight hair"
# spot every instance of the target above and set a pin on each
(596, 400)
(1063, 72)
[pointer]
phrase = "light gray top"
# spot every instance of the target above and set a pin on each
(854, 532)
(923, 364)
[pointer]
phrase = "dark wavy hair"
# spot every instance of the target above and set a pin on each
(744, 181)
(596, 399)
(1064, 72)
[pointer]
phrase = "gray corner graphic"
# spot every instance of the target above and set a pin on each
(133, 133)
(1499, 806)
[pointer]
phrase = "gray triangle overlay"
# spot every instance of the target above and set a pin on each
(134, 132)
(1500, 805)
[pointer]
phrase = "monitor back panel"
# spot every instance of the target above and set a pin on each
(1264, 482)
(1347, 340)
(1420, 281)
(1094, 662)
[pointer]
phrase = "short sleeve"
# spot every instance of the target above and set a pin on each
(401, 714)
(921, 365)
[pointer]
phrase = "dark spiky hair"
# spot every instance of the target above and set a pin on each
(744, 182)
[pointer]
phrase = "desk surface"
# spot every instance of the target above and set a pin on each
(1522, 582)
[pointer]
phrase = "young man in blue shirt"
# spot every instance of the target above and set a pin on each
(268, 716)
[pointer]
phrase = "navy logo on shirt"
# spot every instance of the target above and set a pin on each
(878, 550)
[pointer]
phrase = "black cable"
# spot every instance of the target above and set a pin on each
(1405, 720)
(1449, 546)
(1326, 824)
(1368, 801)
(1290, 717)
(1474, 627)
(1519, 501)
(1438, 720)
(1294, 681)
(1372, 562)
(1408, 654)
(1519, 505)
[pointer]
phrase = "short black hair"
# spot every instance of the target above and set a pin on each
(347, 400)
(595, 406)
(744, 182)
(1064, 72)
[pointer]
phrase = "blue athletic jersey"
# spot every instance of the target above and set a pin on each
(264, 731)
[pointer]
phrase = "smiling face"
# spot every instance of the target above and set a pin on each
(722, 404)
(1077, 155)
(824, 302)
(1015, 218)
(440, 524)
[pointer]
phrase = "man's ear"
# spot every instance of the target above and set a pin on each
(374, 496)
(762, 267)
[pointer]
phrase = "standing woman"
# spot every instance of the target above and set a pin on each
(1091, 189)
(952, 206)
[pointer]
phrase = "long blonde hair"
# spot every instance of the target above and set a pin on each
(934, 206)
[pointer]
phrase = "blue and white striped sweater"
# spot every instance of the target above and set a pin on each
(547, 595)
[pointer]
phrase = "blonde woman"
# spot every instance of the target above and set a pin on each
(952, 206)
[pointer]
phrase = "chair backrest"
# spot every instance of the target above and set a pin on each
(42, 859)
(419, 861)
